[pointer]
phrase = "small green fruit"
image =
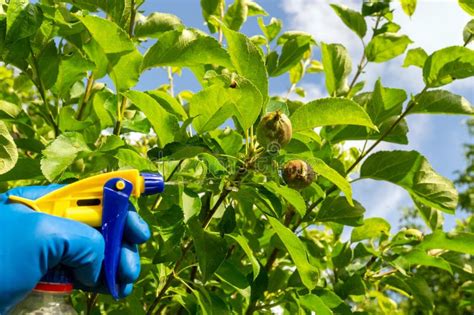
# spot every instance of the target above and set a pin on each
(298, 174)
(274, 130)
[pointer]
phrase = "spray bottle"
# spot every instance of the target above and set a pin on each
(101, 201)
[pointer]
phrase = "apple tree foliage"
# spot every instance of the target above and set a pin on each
(229, 236)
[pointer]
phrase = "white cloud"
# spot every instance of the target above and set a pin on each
(435, 24)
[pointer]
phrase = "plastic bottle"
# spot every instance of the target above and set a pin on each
(49, 297)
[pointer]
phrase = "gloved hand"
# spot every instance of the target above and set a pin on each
(32, 242)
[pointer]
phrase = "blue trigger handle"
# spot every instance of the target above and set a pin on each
(116, 196)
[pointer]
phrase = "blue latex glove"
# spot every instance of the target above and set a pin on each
(32, 242)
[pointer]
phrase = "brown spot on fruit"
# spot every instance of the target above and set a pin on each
(298, 174)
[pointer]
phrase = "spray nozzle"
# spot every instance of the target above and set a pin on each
(154, 183)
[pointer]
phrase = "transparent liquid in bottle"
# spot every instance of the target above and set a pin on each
(44, 302)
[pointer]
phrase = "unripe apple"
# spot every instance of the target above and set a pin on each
(274, 129)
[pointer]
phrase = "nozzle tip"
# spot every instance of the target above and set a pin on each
(154, 183)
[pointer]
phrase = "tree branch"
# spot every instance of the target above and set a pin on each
(85, 99)
(42, 92)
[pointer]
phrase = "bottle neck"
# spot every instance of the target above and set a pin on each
(53, 288)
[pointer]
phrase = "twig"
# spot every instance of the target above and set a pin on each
(91, 299)
(363, 62)
(271, 259)
(133, 13)
(175, 169)
(85, 98)
(42, 92)
(120, 113)
(388, 131)
(170, 80)
(220, 33)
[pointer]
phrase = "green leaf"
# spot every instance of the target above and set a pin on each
(123, 57)
(48, 65)
(448, 64)
(386, 46)
(372, 228)
(291, 196)
(111, 143)
(307, 272)
(315, 67)
(24, 169)
(165, 124)
(272, 29)
(247, 60)
(468, 32)
(314, 303)
(185, 48)
(408, 6)
(384, 105)
(321, 168)
(130, 159)
(340, 211)
(71, 69)
(248, 251)
(213, 164)
(94, 52)
(108, 35)
(292, 52)
(125, 70)
(433, 218)
(101, 101)
(212, 106)
(457, 242)
(388, 27)
(228, 140)
(420, 257)
(8, 150)
(421, 291)
(341, 255)
(9, 109)
(384, 102)
(331, 299)
(415, 57)
(23, 20)
(442, 102)
(236, 15)
(411, 170)
(169, 103)
(211, 249)
(229, 273)
(337, 66)
(227, 223)
(467, 5)
(330, 111)
(255, 8)
(397, 135)
(354, 285)
(207, 106)
(68, 122)
(353, 19)
(157, 23)
(61, 153)
(209, 9)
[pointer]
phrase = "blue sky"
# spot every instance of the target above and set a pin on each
(435, 24)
